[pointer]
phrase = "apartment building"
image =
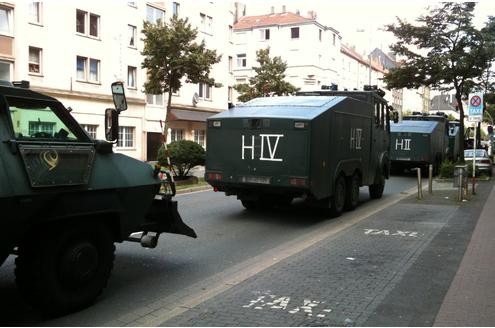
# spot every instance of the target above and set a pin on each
(74, 50)
(310, 49)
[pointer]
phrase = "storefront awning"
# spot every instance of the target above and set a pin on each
(189, 115)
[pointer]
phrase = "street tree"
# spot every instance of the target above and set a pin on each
(269, 78)
(444, 51)
(172, 56)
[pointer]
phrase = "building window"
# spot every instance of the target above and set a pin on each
(230, 93)
(204, 91)
(131, 77)
(241, 60)
(319, 34)
(264, 34)
(35, 12)
(333, 39)
(34, 60)
(126, 137)
(87, 23)
(231, 33)
(88, 69)
(230, 64)
(5, 71)
(132, 35)
(153, 15)
(294, 33)
(90, 129)
(176, 134)
(206, 23)
(175, 8)
(38, 126)
(156, 100)
(199, 137)
(5, 21)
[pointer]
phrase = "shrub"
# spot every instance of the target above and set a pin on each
(184, 155)
(447, 169)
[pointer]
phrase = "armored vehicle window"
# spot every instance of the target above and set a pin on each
(34, 119)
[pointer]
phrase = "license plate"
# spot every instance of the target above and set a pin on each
(254, 179)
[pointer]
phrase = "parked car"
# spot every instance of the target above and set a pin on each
(483, 161)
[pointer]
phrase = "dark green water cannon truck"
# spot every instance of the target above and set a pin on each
(66, 199)
(320, 145)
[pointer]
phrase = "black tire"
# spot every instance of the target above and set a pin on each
(339, 197)
(376, 190)
(63, 270)
(352, 192)
(283, 201)
(249, 204)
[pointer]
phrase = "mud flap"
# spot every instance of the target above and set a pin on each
(164, 217)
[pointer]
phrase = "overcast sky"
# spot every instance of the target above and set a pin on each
(349, 16)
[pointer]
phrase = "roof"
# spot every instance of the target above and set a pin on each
(24, 93)
(189, 115)
(414, 126)
(298, 107)
(287, 18)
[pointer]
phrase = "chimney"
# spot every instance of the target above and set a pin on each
(284, 9)
(311, 14)
(272, 10)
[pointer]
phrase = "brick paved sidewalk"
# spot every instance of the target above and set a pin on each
(470, 300)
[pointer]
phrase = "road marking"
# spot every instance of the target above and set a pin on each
(398, 233)
(187, 298)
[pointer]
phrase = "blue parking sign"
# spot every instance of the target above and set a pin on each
(475, 107)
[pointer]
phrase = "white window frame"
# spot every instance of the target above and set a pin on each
(33, 63)
(87, 69)
(175, 8)
(156, 14)
(91, 129)
(35, 12)
(132, 30)
(126, 137)
(241, 60)
(199, 137)
(264, 34)
(86, 27)
(154, 100)
(176, 134)
(8, 65)
(298, 33)
(131, 77)
(204, 91)
(6, 25)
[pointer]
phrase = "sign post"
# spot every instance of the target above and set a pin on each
(475, 114)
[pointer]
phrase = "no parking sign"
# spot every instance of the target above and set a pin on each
(475, 107)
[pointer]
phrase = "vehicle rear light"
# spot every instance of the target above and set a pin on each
(485, 161)
(298, 182)
(214, 176)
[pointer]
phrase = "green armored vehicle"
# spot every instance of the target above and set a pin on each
(66, 199)
(320, 145)
(418, 141)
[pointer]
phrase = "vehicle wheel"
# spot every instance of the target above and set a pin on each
(376, 190)
(352, 192)
(64, 269)
(249, 204)
(283, 201)
(338, 199)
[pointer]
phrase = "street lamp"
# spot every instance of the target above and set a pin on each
(362, 30)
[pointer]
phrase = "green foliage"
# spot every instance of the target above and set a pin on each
(269, 78)
(444, 51)
(447, 169)
(184, 155)
(172, 56)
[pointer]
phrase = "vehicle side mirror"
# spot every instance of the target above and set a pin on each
(395, 116)
(118, 94)
(111, 124)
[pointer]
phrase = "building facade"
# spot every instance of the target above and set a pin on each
(74, 50)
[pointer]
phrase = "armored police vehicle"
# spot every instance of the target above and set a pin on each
(66, 199)
(418, 141)
(320, 145)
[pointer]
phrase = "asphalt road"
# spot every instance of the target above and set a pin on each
(228, 236)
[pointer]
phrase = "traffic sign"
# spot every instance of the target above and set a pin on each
(475, 107)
